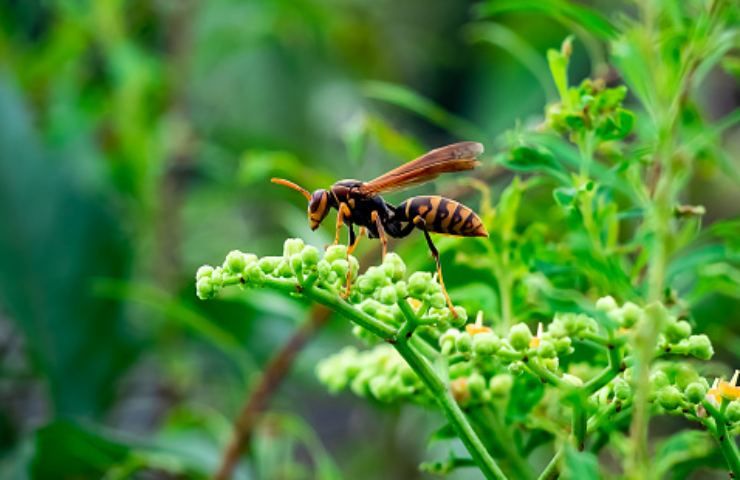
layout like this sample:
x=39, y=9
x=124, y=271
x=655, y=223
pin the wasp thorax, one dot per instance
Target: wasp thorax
x=318, y=207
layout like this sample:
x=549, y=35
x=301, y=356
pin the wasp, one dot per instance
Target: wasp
x=359, y=203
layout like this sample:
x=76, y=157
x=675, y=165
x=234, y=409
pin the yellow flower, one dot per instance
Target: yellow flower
x=722, y=389
x=535, y=342
x=477, y=327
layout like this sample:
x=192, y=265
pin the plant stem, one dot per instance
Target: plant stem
x=551, y=470
x=726, y=441
x=579, y=423
x=606, y=376
x=442, y=394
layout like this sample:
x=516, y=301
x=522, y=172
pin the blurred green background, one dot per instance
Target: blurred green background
x=137, y=140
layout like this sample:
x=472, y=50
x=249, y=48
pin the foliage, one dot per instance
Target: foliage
x=596, y=327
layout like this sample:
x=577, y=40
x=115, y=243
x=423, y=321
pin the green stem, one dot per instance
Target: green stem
x=726, y=441
x=442, y=394
x=534, y=366
x=502, y=440
x=551, y=471
x=606, y=376
x=579, y=422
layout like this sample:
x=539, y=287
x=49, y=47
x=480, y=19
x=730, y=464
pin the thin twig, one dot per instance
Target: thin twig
x=272, y=377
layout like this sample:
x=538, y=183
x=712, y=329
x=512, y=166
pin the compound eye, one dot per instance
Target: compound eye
x=318, y=207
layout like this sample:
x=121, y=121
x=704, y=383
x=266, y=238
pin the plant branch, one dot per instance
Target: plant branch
x=726, y=441
x=270, y=380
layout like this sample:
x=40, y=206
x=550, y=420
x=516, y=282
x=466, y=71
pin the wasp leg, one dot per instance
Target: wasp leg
x=344, y=211
x=422, y=225
x=381, y=233
x=353, y=242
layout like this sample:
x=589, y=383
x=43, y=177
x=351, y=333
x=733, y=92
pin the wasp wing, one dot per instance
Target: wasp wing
x=451, y=158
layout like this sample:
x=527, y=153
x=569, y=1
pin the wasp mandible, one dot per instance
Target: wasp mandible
x=359, y=203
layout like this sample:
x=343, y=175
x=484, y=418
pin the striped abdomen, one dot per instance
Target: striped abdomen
x=443, y=215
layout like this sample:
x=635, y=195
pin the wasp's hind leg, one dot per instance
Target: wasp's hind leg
x=381, y=233
x=422, y=225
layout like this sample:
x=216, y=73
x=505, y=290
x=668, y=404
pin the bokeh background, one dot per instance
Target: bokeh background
x=137, y=139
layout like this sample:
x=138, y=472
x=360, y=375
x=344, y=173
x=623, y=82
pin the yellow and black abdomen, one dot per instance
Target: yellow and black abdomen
x=442, y=215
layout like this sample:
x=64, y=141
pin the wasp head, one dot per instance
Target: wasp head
x=318, y=208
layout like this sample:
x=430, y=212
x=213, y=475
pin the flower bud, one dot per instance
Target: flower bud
x=500, y=385
x=677, y=331
x=394, y=267
x=292, y=246
x=733, y=411
x=268, y=264
x=669, y=397
x=572, y=380
x=460, y=391
x=204, y=272
x=254, y=274
x=402, y=290
x=235, y=262
x=284, y=269
x=296, y=263
x=516, y=368
x=700, y=347
x=486, y=343
x=335, y=252
x=340, y=267
x=630, y=314
x=447, y=340
x=310, y=257
x=520, y=336
x=695, y=392
x=460, y=369
x=464, y=343
x=437, y=300
x=621, y=389
x=606, y=304
x=546, y=349
x=204, y=288
x=387, y=295
x=461, y=318
x=476, y=385
x=659, y=379
x=419, y=283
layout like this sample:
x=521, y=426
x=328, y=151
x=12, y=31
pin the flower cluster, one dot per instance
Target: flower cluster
x=482, y=364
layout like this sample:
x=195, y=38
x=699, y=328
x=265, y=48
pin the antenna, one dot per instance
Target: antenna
x=296, y=187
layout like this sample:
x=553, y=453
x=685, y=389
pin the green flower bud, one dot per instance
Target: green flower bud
x=464, y=343
x=733, y=411
x=546, y=349
x=621, y=389
x=254, y=275
x=669, y=397
x=551, y=364
x=516, y=368
x=447, y=340
x=310, y=257
x=563, y=346
x=486, y=343
x=476, y=385
x=461, y=318
x=296, y=262
x=460, y=369
x=387, y=295
x=437, y=300
x=269, y=264
x=402, y=290
x=659, y=379
x=324, y=269
x=676, y=331
x=335, y=252
x=380, y=388
x=204, y=272
x=630, y=314
x=606, y=304
x=217, y=277
x=394, y=267
x=370, y=306
x=204, y=288
x=419, y=283
x=695, y=392
x=284, y=269
x=407, y=374
x=500, y=385
x=520, y=336
x=292, y=246
x=700, y=347
x=340, y=267
x=235, y=262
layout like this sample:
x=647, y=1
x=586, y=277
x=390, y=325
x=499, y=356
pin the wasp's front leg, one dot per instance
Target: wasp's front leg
x=344, y=211
x=353, y=242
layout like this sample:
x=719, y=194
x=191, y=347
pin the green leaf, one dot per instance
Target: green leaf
x=560, y=10
x=525, y=394
x=65, y=450
x=580, y=465
x=679, y=448
x=60, y=235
